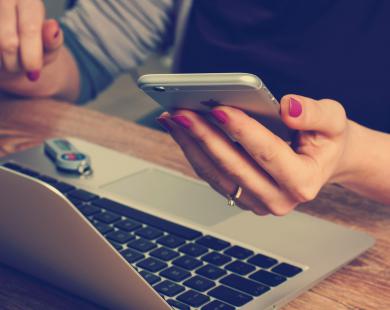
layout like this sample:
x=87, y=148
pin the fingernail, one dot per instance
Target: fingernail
x=182, y=121
x=34, y=76
x=57, y=34
x=220, y=116
x=164, y=123
x=295, y=108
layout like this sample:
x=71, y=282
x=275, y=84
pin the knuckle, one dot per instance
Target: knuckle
x=278, y=206
x=281, y=209
x=303, y=194
x=338, y=112
x=202, y=173
x=237, y=132
x=30, y=30
x=266, y=154
x=202, y=137
x=10, y=44
x=259, y=211
x=207, y=175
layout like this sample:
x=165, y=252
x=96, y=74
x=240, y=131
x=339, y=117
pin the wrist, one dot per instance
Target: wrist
x=350, y=163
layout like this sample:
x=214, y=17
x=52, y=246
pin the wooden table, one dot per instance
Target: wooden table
x=363, y=284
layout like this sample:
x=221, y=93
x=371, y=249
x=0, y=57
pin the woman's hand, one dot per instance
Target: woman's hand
x=274, y=176
x=27, y=41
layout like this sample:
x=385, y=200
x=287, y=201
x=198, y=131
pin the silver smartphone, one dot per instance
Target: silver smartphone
x=202, y=92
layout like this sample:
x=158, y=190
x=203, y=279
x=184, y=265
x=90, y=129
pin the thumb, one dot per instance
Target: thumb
x=52, y=35
x=325, y=116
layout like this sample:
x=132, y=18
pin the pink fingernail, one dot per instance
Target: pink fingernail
x=164, y=123
x=182, y=121
x=57, y=34
x=295, y=108
x=34, y=76
x=220, y=116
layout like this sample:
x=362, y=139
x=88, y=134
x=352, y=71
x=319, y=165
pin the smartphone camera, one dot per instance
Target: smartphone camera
x=159, y=88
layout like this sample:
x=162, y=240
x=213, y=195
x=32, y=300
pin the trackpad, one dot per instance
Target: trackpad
x=175, y=195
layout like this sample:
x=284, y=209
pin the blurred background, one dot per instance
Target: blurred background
x=123, y=98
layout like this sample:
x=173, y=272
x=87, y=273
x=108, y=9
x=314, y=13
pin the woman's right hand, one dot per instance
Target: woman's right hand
x=28, y=42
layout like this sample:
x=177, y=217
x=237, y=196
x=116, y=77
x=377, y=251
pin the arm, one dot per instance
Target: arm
x=366, y=164
x=101, y=43
x=274, y=176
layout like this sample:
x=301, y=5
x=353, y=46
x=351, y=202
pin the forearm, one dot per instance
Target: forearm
x=366, y=165
x=59, y=79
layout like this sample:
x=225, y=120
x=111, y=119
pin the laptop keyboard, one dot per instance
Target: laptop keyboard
x=189, y=269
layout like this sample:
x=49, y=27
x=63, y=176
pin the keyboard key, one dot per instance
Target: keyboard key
x=262, y=261
x=171, y=241
x=193, y=249
x=164, y=253
x=29, y=172
x=217, y=305
x=213, y=243
x=117, y=246
x=75, y=201
x=175, y=274
x=63, y=187
x=152, y=264
x=216, y=258
x=141, y=245
x=88, y=210
x=239, y=252
x=187, y=262
x=149, y=233
x=132, y=256
x=192, y=298
x=177, y=305
x=286, y=270
x=82, y=195
x=230, y=296
x=150, y=277
x=176, y=229
x=244, y=285
x=13, y=166
x=268, y=278
x=128, y=225
x=169, y=288
x=199, y=283
x=47, y=179
x=107, y=217
x=120, y=236
x=211, y=272
x=240, y=267
x=101, y=227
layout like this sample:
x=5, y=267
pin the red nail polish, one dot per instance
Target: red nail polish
x=182, y=121
x=295, y=108
x=164, y=123
x=220, y=116
x=57, y=34
x=34, y=76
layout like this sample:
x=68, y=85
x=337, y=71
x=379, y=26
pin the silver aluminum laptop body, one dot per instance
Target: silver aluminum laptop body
x=43, y=234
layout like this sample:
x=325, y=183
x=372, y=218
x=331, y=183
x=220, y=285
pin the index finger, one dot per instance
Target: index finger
x=30, y=22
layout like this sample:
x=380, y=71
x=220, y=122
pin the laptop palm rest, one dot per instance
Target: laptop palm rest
x=173, y=194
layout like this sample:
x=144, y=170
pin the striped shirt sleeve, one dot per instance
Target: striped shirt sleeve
x=118, y=35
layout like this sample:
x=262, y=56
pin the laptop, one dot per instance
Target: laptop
x=135, y=235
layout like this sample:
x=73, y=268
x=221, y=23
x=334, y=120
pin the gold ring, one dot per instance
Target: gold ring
x=232, y=198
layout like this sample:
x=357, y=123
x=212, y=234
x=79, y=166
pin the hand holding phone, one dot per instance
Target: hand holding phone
x=203, y=92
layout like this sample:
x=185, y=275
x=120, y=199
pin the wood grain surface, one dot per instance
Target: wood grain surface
x=363, y=284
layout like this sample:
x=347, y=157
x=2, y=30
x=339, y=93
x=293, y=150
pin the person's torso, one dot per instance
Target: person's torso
x=320, y=49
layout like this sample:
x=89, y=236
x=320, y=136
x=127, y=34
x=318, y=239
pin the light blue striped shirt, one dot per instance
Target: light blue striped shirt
x=110, y=37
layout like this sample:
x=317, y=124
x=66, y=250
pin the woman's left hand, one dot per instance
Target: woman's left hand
x=275, y=177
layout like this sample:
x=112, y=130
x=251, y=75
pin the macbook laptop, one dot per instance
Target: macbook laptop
x=134, y=235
